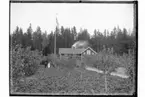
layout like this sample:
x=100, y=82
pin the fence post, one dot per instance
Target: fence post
x=106, y=90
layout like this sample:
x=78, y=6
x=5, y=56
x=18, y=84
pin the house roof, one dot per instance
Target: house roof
x=70, y=51
x=73, y=50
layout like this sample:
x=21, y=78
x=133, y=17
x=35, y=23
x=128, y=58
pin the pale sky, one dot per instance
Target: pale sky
x=81, y=15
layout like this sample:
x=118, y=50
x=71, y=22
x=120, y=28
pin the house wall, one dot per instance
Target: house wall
x=77, y=56
x=89, y=51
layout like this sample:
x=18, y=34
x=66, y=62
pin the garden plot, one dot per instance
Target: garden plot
x=76, y=82
x=68, y=79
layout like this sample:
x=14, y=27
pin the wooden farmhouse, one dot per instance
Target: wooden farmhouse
x=76, y=53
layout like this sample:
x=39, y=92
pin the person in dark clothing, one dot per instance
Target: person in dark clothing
x=44, y=62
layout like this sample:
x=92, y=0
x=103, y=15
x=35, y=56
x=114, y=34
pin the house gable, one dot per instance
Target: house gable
x=89, y=51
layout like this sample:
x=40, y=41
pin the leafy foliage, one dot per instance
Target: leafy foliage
x=71, y=80
x=107, y=61
x=23, y=63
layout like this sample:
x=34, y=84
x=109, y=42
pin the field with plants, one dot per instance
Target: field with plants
x=27, y=75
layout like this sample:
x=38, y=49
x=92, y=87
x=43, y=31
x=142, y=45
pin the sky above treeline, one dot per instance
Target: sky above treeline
x=88, y=16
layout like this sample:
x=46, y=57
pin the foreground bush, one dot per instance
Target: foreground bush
x=23, y=63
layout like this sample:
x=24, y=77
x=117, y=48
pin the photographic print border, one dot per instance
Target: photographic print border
x=80, y=2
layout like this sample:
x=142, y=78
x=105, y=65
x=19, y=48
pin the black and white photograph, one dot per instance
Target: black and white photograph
x=73, y=48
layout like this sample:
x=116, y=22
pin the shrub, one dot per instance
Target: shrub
x=109, y=62
x=23, y=63
x=63, y=63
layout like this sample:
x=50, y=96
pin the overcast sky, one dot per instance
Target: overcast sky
x=89, y=16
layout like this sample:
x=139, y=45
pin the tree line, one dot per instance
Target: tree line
x=120, y=40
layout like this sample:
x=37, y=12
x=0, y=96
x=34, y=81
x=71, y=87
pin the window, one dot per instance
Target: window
x=88, y=52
